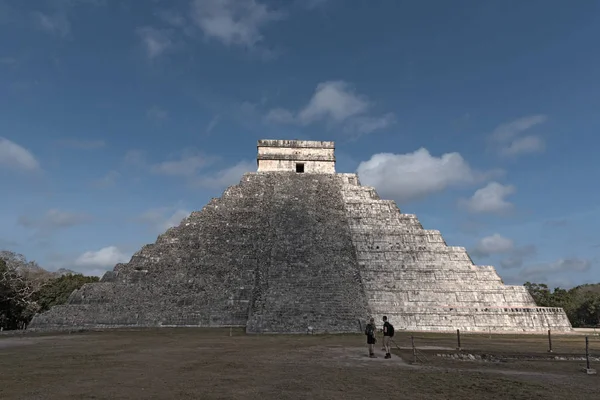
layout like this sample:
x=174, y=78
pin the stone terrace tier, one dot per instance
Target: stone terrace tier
x=285, y=252
x=413, y=277
x=274, y=253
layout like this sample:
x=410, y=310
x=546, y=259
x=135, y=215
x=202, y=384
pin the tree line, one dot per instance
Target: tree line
x=581, y=303
x=27, y=289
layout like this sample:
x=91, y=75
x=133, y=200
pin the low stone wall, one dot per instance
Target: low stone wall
x=508, y=320
x=104, y=316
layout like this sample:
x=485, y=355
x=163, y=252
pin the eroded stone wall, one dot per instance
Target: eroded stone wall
x=413, y=277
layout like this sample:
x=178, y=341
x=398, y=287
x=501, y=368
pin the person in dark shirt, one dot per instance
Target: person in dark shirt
x=370, y=332
x=388, y=332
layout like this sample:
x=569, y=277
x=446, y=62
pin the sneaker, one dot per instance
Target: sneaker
x=372, y=355
x=388, y=355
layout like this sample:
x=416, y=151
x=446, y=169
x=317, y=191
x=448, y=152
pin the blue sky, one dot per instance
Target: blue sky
x=117, y=118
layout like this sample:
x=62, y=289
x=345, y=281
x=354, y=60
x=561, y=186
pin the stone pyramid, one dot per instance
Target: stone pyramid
x=297, y=247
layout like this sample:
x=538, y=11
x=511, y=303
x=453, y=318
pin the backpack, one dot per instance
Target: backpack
x=390, y=330
x=369, y=330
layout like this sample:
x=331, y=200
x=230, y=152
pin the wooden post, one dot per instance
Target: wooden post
x=587, y=353
x=412, y=342
x=230, y=330
x=458, y=339
x=549, y=341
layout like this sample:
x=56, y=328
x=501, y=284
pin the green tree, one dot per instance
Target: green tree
x=58, y=290
x=587, y=309
x=581, y=303
x=26, y=289
x=540, y=293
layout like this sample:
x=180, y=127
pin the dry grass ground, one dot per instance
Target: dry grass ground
x=209, y=364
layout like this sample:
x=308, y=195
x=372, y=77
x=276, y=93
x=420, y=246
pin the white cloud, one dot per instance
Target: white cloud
x=541, y=272
x=102, y=259
x=175, y=219
x=494, y=244
x=155, y=41
x=213, y=123
x=225, y=177
x=280, y=116
x=233, y=22
x=56, y=20
x=54, y=219
x=187, y=164
x=334, y=100
x=163, y=218
x=489, y=199
x=518, y=256
x=370, y=124
x=524, y=145
x=56, y=24
x=14, y=156
x=508, y=131
x=567, y=264
x=335, y=103
x=505, y=137
x=411, y=176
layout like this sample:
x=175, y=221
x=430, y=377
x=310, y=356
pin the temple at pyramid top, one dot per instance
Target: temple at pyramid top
x=299, y=156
